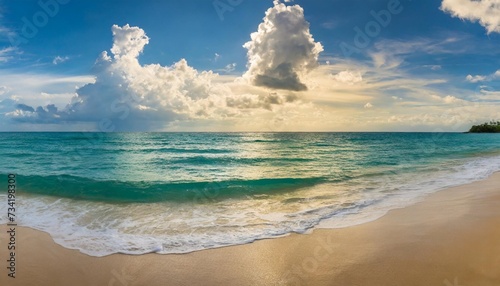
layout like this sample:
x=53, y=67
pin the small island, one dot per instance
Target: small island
x=491, y=127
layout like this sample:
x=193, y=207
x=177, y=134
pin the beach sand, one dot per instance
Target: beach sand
x=450, y=238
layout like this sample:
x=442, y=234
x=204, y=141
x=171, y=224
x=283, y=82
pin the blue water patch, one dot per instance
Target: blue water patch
x=113, y=191
x=153, y=158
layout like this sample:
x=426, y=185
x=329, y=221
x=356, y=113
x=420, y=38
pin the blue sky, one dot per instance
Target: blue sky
x=434, y=65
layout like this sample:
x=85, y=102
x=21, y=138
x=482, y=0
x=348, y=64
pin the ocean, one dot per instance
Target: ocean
x=135, y=193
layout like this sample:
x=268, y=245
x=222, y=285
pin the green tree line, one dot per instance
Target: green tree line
x=489, y=127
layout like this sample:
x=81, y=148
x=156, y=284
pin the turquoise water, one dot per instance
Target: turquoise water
x=104, y=193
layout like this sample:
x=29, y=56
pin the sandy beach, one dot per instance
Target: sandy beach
x=450, y=238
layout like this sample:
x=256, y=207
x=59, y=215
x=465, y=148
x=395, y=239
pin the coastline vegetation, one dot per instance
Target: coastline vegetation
x=489, y=127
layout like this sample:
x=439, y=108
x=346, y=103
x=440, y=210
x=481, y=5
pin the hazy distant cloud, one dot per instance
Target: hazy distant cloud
x=230, y=67
x=329, y=25
x=6, y=54
x=5, y=32
x=487, y=93
x=368, y=105
x=386, y=59
x=486, y=12
x=448, y=99
x=41, y=88
x=391, y=54
x=447, y=45
x=433, y=67
x=282, y=49
x=7, y=105
x=58, y=60
x=480, y=78
x=3, y=89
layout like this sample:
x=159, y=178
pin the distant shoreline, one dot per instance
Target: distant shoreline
x=489, y=127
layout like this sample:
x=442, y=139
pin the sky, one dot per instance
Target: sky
x=243, y=65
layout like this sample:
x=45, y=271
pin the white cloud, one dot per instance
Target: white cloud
x=486, y=12
x=481, y=78
x=128, y=42
x=282, y=50
x=475, y=78
x=59, y=60
x=137, y=97
x=348, y=77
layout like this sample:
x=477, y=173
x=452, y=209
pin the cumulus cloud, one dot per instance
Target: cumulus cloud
x=128, y=42
x=141, y=97
x=486, y=12
x=125, y=95
x=475, y=78
x=348, y=77
x=480, y=78
x=282, y=50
